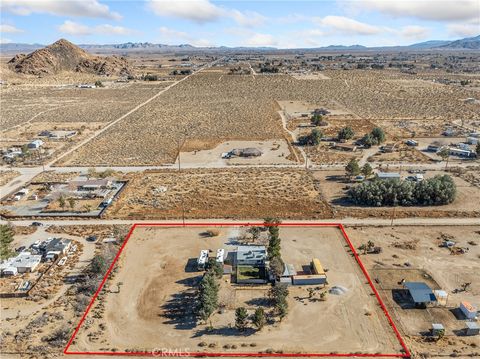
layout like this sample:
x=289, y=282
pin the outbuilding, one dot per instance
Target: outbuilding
x=472, y=328
x=388, y=175
x=468, y=310
x=422, y=295
x=35, y=144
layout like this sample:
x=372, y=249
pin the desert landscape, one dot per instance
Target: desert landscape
x=208, y=178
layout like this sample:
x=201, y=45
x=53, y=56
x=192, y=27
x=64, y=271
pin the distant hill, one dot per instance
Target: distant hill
x=65, y=56
x=429, y=44
x=467, y=43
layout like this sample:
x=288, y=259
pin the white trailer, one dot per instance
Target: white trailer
x=202, y=259
x=220, y=255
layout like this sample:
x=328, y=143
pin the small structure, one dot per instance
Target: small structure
x=389, y=147
x=288, y=273
x=320, y=111
x=388, y=175
x=442, y=297
x=35, y=144
x=251, y=255
x=433, y=148
x=437, y=329
x=308, y=279
x=202, y=259
x=460, y=152
x=344, y=147
x=90, y=185
x=220, y=256
x=55, y=248
x=472, y=328
x=468, y=310
x=422, y=295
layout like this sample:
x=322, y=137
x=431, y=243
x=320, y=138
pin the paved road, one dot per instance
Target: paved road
x=346, y=221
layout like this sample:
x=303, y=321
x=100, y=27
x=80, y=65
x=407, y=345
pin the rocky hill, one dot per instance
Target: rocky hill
x=65, y=56
x=467, y=43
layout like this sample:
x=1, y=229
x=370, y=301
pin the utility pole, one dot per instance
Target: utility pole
x=183, y=211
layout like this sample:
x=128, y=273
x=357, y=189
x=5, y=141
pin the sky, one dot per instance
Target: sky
x=282, y=24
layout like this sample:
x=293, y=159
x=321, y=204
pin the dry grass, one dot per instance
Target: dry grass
x=238, y=193
x=7, y=176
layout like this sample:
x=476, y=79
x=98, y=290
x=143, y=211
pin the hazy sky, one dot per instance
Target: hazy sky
x=239, y=23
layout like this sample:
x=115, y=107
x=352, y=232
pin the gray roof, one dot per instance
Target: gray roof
x=472, y=325
x=420, y=292
x=245, y=253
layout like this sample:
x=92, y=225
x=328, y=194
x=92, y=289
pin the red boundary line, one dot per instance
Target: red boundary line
x=406, y=353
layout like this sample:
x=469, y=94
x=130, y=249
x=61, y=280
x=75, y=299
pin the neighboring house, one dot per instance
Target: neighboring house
x=35, y=144
x=24, y=262
x=461, y=152
x=55, y=248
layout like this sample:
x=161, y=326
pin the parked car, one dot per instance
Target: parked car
x=21, y=249
x=91, y=238
x=37, y=224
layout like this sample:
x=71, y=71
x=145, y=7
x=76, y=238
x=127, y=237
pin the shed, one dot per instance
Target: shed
x=309, y=279
x=437, y=328
x=35, y=144
x=442, y=296
x=317, y=267
x=472, y=328
x=468, y=310
x=421, y=293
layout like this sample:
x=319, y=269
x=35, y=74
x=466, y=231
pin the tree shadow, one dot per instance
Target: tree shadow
x=225, y=332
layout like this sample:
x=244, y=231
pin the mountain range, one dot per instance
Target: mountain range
x=471, y=43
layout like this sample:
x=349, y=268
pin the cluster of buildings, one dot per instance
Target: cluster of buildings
x=41, y=251
x=243, y=152
x=422, y=297
x=249, y=265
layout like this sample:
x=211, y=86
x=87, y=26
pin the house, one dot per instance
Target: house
x=251, y=264
x=472, y=140
x=90, y=185
x=24, y=262
x=35, y=144
x=422, y=295
x=437, y=329
x=55, y=248
x=251, y=255
x=468, y=310
x=388, y=175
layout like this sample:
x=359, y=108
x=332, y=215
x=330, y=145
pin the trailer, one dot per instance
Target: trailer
x=202, y=259
x=220, y=255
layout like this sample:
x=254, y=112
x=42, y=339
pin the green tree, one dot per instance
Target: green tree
x=71, y=202
x=352, y=168
x=259, y=319
x=367, y=170
x=444, y=153
x=317, y=120
x=274, y=242
x=61, y=202
x=312, y=139
x=346, y=133
x=6, y=238
x=98, y=83
x=378, y=134
x=477, y=149
x=278, y=295
x=281, y=309
x=215, y=267
x=241, y=317
x=255, y=232
x=98, y=265
x=207, y=296
x=277, y=266
x=368, y=140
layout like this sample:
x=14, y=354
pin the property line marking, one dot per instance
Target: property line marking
x=405, y=354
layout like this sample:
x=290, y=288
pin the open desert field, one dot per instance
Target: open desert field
x=220, y=193
x=149, y=306
x=413, y=254
x=212, y=107
x=23, y=104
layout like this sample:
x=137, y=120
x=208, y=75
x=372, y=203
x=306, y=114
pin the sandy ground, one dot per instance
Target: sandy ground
x=447, y=272
x=274, y=152
x=137, y=316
